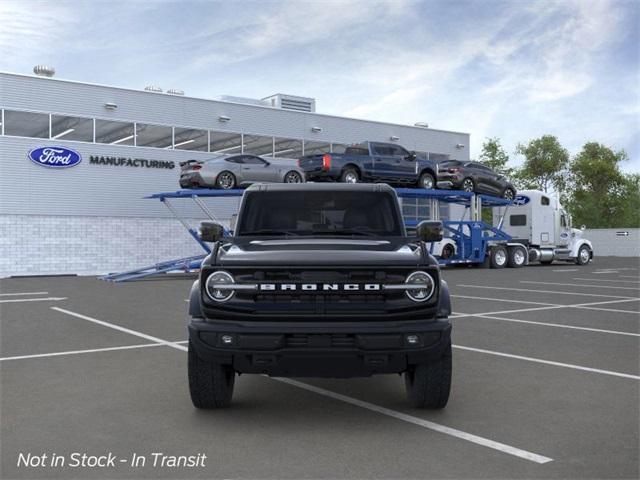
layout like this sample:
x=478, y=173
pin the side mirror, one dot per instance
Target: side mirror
x=412, y=156
x=211, y=232
x=429, y=231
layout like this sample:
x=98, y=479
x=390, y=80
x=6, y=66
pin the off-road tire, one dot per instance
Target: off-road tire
x=210, y=383
x=427, y=178
x=499, y=257
x=428, y=384
x=349, y=173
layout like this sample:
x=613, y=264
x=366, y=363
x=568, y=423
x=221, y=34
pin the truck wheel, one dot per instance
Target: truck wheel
x=349, y=175
x=427, y=181
x=517, y=257
x=499, y=257
x=428, y=384
x=226, y=180
x=210, y=384
x=584, y=255
x=293, y=177
x=509, y=194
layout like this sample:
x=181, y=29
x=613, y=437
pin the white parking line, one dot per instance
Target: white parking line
x=628, y=276
x=93, y=350
x=581, y=285
x=121, y=329
x=392, y=413
x=22, y=293
x=485, y=442
x=528, y=290
x=567, y=270
x=20, y=300
x=604, y=280
x=552, y=306
x=503, y=300
x=549, y=362
x=546, y=324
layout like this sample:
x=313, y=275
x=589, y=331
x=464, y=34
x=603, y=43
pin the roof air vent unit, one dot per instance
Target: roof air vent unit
x=175, y=91
x=292, y=102
x=44, y=71
x=153, y=88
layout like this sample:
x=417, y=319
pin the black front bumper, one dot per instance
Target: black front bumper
x=335, y=350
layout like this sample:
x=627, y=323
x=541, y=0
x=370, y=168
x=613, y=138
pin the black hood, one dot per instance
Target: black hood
x=394, y=251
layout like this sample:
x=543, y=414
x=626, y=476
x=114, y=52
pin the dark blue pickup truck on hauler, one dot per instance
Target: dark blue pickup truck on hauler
x=372, y=162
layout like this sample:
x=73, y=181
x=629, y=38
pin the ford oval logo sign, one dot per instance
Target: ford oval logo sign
x=55, y=157
x=521, y=200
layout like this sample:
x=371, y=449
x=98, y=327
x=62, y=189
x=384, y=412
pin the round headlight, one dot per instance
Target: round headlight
x=425, y=285
x=219, y=286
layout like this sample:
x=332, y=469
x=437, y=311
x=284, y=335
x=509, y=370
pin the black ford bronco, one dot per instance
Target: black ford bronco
x=320, y=280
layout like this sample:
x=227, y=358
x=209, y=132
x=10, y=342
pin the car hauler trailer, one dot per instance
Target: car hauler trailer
x=539, y=221
x=469, y=241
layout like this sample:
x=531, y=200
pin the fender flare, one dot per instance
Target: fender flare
x=195, y=308
x=444, y=302
x=580, y=243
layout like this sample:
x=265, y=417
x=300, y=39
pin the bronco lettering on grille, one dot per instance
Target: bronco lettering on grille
x=319, y=286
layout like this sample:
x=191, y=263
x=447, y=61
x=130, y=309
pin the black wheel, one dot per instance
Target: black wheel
x=447, y=251
x=498, y=257
x=428, y=384
x=427, y=181
x=546, y=262
x=226, y=180
x=509, y=194
x=210, y=384
x=349, y=175
x=584, y=255
x=468, y=185
x=293, y=177
x=517, y=257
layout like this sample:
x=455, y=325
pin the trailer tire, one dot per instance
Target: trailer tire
x=517, y=257
x=499, y=257
x=584, y=255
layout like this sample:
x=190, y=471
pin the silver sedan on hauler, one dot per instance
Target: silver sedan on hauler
x=234, y=171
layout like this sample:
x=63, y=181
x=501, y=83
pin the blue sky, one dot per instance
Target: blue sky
x=514, y=69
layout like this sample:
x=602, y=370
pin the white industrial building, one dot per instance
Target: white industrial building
x=93, y=218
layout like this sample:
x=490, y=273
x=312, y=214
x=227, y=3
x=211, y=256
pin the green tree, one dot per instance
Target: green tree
x=545, y=164
x=600, y=195
x=494, y=156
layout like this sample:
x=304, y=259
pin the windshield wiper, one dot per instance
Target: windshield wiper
x=267, y=231
x=347, y=232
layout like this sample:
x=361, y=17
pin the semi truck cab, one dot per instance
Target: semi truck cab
x=538, y=221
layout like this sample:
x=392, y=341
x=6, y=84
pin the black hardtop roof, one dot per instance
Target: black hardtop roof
x=320, y=187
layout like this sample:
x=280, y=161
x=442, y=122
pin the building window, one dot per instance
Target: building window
x=315, y=148
x=114, y=133
x=225, y=143
x=71, y=128
x=190, y=139
x=26, y=124
x=157, y=136
x=258, y=145
x=287, y=148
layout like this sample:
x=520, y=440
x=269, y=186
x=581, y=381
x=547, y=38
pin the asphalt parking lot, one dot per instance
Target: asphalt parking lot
x=545, y=385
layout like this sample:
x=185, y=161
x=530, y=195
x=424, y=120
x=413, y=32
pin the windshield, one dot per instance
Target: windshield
x=354, y=213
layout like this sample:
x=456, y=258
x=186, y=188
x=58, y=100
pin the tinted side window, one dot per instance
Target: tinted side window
x=544, y=201
x=356, y=151
x=399, y=151
x=237, y=159
x=252, y=160
x=518, y=220
x=382, y=150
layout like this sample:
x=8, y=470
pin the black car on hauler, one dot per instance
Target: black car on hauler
x=320, y=280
